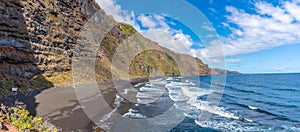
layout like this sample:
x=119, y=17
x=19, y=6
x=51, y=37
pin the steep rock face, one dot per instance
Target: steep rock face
x=37, y=40
x=150, y=56
x=53, y=26
x=37, y=37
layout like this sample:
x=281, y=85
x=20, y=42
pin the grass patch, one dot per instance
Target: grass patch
x=61, y=79
x=127, y=29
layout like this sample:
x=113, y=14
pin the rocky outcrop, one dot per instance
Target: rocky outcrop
x=217, y=71
x=37, y=37
x=148, y=60
x=37, y=40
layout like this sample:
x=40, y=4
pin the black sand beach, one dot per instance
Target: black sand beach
x=60, y=105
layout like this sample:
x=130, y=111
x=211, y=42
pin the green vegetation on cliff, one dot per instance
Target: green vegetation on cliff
x=39, y=38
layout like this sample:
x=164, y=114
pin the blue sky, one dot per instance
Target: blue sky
x=255, y=36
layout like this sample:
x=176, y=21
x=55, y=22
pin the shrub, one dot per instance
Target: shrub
x=21, y=119
x=128, y=30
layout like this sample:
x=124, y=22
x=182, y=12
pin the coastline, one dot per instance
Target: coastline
x=60, y=106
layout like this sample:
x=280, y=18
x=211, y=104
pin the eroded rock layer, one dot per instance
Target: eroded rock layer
x=37, y=40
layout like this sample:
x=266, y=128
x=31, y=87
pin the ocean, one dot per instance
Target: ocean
x=250, y=102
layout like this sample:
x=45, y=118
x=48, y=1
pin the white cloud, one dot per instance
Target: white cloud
x=210, y=36
x=269, y=27
x=158, y=30
x=293, y=9
x=276, y=12
x=208, y=28
x=147, y=21
x=115, y=10
x=215, y=61
x=172, y=39
x=233, y=60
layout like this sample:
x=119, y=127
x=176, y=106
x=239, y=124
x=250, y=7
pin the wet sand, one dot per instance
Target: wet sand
x=60, y=105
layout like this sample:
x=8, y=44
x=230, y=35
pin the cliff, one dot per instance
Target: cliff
x=37, y=40
x=217, y=71
x=149, y=57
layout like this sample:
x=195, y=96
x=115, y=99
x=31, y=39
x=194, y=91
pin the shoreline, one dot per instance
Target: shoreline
x=60, y=106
